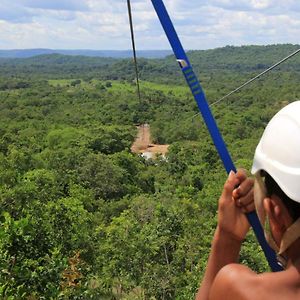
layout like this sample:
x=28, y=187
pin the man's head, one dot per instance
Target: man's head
x=276, y=166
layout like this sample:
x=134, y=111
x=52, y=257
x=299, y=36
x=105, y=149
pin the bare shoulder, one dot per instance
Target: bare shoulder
x=233, y=281
x=238, y=282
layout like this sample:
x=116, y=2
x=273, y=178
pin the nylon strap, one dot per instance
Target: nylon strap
x=210, y=122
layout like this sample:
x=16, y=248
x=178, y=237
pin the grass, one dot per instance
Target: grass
x=60, y=82
x=122, y=86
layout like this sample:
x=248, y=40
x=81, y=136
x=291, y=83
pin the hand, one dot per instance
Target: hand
x=235, y=201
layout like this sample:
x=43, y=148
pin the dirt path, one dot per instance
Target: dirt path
x=143, y=143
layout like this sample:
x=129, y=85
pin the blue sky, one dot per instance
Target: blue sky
x=103, y=24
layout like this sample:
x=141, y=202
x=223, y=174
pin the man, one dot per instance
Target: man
x=276, y=195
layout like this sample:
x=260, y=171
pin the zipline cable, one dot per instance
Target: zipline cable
x=248, y=82
x=210, y=122
x=134, y=50
x=256, y=77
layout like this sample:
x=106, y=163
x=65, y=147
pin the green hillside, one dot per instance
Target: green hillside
x=84, y=218
x=229, y=58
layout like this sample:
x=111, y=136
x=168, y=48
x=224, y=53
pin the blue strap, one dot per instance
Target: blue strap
x=210, y=122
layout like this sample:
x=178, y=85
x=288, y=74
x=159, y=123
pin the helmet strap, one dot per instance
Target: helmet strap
x=290, y=236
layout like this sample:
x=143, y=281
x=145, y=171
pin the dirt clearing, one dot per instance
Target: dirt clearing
x=144, y=145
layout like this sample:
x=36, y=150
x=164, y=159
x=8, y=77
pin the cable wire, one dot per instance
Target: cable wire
x=134, y=50
x=246, y=83
x=256, y=77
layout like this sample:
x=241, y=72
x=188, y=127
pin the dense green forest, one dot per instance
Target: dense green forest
x=84, y=218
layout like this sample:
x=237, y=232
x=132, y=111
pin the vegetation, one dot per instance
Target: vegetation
x=84, y=218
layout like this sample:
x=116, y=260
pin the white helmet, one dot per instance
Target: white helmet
x=278, y=152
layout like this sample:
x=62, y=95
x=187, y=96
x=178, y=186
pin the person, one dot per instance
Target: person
x=275, y=194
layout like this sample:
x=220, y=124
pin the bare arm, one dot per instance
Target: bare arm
x=225, y=250
x=231, y=230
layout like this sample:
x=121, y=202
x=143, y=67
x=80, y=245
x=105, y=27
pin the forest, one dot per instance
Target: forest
x=84, y=218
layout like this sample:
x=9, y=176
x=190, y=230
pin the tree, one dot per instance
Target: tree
x=101, y=175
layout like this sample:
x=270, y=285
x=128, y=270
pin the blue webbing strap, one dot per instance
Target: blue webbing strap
x=210, y=122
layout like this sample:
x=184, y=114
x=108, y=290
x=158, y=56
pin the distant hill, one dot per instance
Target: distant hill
x=244, y=59
x=25, y=53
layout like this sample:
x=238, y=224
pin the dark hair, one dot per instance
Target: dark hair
x=273, y=188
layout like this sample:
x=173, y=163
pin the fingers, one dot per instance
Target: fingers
x=230, y=184
x=248, y=208
x=241, y=174
x=243, y=194
x=234, y=180
x=239, y=188
x=244, y=189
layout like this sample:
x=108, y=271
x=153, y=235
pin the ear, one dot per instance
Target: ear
x=275, y=214
x=278, y=215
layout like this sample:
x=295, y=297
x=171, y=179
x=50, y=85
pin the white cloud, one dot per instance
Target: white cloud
x=10, y=11
x=103, y=24
x=73, y=5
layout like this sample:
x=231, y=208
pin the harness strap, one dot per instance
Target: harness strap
x=210, y=122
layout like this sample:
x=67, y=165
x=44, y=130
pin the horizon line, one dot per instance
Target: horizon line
x=119, y=50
